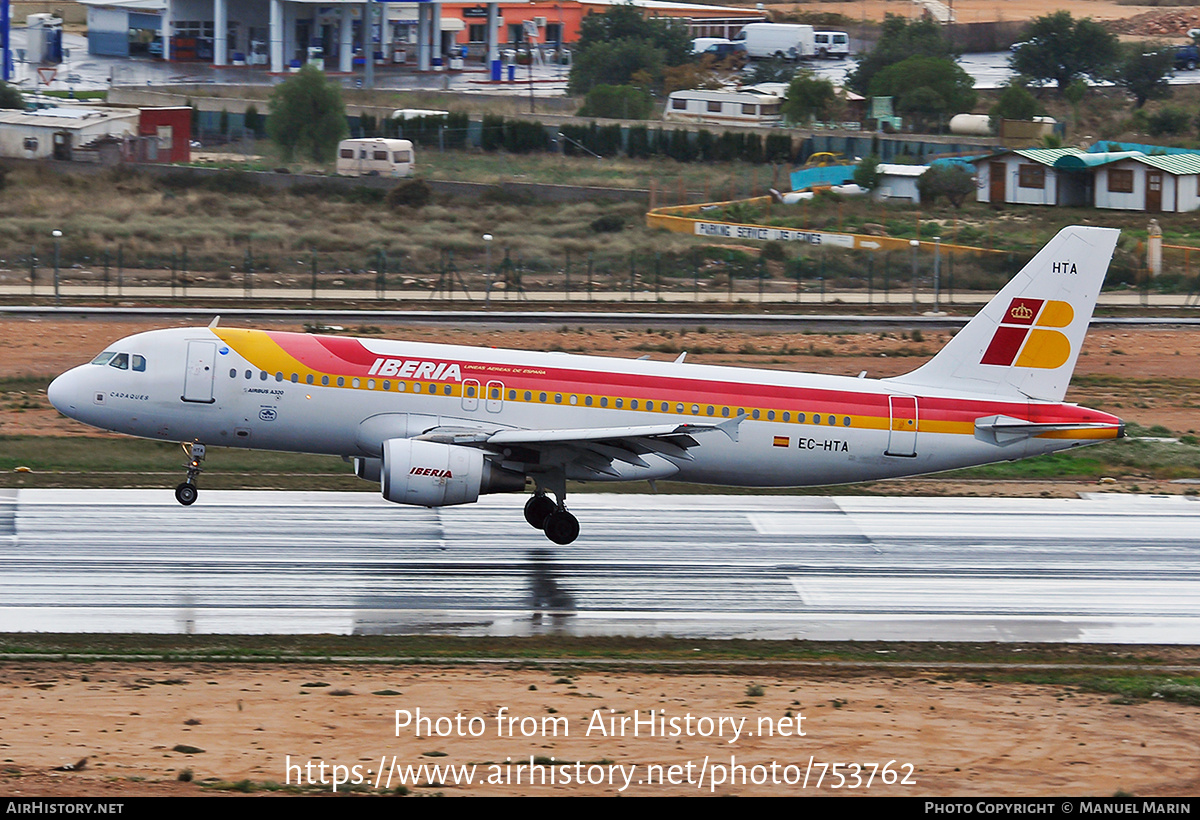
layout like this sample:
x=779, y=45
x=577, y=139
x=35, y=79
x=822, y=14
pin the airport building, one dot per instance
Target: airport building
x=281, y=35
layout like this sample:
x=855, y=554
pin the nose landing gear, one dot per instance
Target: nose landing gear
x=186, y=493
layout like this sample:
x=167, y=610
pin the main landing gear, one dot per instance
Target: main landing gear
x=187, y=492
x=553, y=519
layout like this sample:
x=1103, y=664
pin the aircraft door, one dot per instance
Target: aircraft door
x=198, y=380
x=495, y=396
x=902, y=434
x=470, y=394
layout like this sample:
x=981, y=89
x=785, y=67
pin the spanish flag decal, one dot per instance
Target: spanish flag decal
x=782, y=441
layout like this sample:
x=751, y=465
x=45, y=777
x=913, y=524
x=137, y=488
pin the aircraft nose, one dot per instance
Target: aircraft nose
x=63, y=393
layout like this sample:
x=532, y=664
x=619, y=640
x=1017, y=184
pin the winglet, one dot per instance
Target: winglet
x=215, y=320
x=730, y=428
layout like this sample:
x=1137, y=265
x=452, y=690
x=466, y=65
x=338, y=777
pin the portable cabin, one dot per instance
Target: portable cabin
x=747, y=107
x=375, y=157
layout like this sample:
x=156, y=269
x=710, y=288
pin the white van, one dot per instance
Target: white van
x=375, y=157
x=832, y=45
x=747, y=107
x=786, y=41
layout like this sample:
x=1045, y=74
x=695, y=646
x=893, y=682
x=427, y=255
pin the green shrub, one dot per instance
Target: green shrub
x=1169, y=120
x=609, y=223
x=413, y=193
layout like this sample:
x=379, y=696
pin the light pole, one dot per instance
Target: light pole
x=487, y=244
x=57, y=242
x=937, y=270
x=915, y=245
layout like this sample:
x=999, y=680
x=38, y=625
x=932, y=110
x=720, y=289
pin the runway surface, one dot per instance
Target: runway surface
x=1103, y=568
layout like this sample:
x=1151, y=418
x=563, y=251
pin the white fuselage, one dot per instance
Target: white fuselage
x=340, y=396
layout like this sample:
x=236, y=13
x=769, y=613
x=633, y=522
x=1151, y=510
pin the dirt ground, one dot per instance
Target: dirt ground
x=978, y=11
x=140, y=727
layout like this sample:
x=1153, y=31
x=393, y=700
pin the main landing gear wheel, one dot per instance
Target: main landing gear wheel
x=561, y=527
x=537, y=509
x=186, y=494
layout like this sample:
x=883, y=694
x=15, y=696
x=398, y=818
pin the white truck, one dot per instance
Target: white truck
x=791, y=41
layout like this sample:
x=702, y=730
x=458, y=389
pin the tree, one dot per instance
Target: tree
x=10, y=97
x=809, y=97
x=614, y=63
x=1144, y=70
x=898, y=41
x=253, y=121
x=951, y=181
x=772, y=70
x=1058, y=48
x=866, y=175
x=619, y=43
x=1015, y=103
x=926, y=88
x=625, y=102
x=307, y=115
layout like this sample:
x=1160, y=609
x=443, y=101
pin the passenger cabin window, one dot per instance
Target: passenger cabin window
x=346, y=153
x=714, y=107
x=679, y=104
x=403, y=156
x=749, y=108
x=383, y=155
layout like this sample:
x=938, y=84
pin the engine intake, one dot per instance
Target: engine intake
x=430, y=474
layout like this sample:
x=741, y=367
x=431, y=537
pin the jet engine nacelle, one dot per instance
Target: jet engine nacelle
x=430, y=474
x=370, y=469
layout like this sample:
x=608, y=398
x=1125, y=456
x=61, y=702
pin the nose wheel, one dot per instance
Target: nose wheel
x=187, y=492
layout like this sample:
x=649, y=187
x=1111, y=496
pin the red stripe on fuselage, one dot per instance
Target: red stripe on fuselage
x=347, y=357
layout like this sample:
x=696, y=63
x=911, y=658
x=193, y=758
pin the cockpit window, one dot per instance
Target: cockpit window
x=104, y=357
x=120, y=361
x=139, y=363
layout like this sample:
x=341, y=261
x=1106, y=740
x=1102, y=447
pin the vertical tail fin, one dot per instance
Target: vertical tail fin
x=1025, y=342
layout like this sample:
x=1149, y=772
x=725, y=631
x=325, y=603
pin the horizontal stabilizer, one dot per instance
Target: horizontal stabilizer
x=1006, y=429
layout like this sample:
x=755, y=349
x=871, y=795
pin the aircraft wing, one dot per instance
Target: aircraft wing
x=593, y=449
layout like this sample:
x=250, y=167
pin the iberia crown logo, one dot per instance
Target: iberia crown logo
x=1022, y=342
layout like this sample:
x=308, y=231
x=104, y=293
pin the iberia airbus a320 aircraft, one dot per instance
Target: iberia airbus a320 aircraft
x=440, y=424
